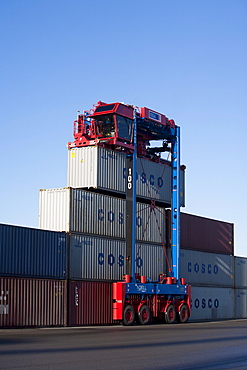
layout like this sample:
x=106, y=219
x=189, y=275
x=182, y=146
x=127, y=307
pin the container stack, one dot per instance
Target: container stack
x=62, y=273
x=92, y=210
x=207, y=263
x=33, y=283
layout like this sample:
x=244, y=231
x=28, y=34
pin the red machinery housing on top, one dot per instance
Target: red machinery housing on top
x=111, y=126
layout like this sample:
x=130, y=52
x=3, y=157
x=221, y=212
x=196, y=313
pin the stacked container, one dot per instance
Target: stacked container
x=204, y=234
x=79, y=211
x=33, y=268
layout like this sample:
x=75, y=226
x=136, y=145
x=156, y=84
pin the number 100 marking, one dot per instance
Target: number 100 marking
x=129, y=179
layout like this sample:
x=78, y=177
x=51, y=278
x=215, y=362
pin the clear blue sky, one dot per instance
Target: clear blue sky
x=186, y=59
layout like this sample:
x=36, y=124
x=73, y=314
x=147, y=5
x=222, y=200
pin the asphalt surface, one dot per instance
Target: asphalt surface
x=215, y=345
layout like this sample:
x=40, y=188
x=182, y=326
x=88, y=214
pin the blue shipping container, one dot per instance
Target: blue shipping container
x=29, y=252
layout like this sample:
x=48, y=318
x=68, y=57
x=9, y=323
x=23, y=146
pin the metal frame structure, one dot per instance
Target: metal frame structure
x=170, y=297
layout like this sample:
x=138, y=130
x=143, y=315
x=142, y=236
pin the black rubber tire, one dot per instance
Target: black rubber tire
x=170, y=314
x=128, y=315
x=144, y=315
x=183, y=314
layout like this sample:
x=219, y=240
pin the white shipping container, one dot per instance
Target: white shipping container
x=240, y=272
x=240, y=303
x=100, y=168
x=54, y=209
x=203, y=268
x=212, y=303
x=82, y=211
x=105, y=259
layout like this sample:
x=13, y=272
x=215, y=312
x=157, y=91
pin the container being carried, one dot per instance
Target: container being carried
x=96, y=167
x=129, y=131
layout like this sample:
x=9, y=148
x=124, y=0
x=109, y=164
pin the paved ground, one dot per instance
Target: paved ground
x=217, y=345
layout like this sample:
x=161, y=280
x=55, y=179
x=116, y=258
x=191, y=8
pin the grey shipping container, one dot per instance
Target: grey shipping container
x=203, y=268
x=105, y=169
x=32, y=252
x=212, y=303
x=82, y=211
x=29, y=302
x=241, y=303
x=240, y=272
x=90, y=303
x=203, y=234
x=105, y=259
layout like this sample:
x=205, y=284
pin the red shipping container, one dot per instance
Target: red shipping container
x=32, y=302
x=203, y=234
x=90, y=303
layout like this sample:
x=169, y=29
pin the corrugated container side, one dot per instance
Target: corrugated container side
x=150, y=223
x=212, y=303
x=32, y=252
x=98, y=214
x=90, y=303
x=54, y=209
x=88, y=166
x=105, y=259
x=78, y=173
x=154, y=181
x=241, y=303
x=150, y=260
x=81, y=211
x=96, y=258
x=203, y=268
x=108, y=172
x=240, y=272
x=32, y=302
x=203, y=234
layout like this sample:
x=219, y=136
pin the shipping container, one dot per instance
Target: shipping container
x=203, y=234
x=90, y=303
x=29, y=252
x=105, y=169
x=203, y=268
x=105, y=259
x=26, y=302
x=82, y=211
x=240, y=272
x=212, y=303
x=241, y=303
